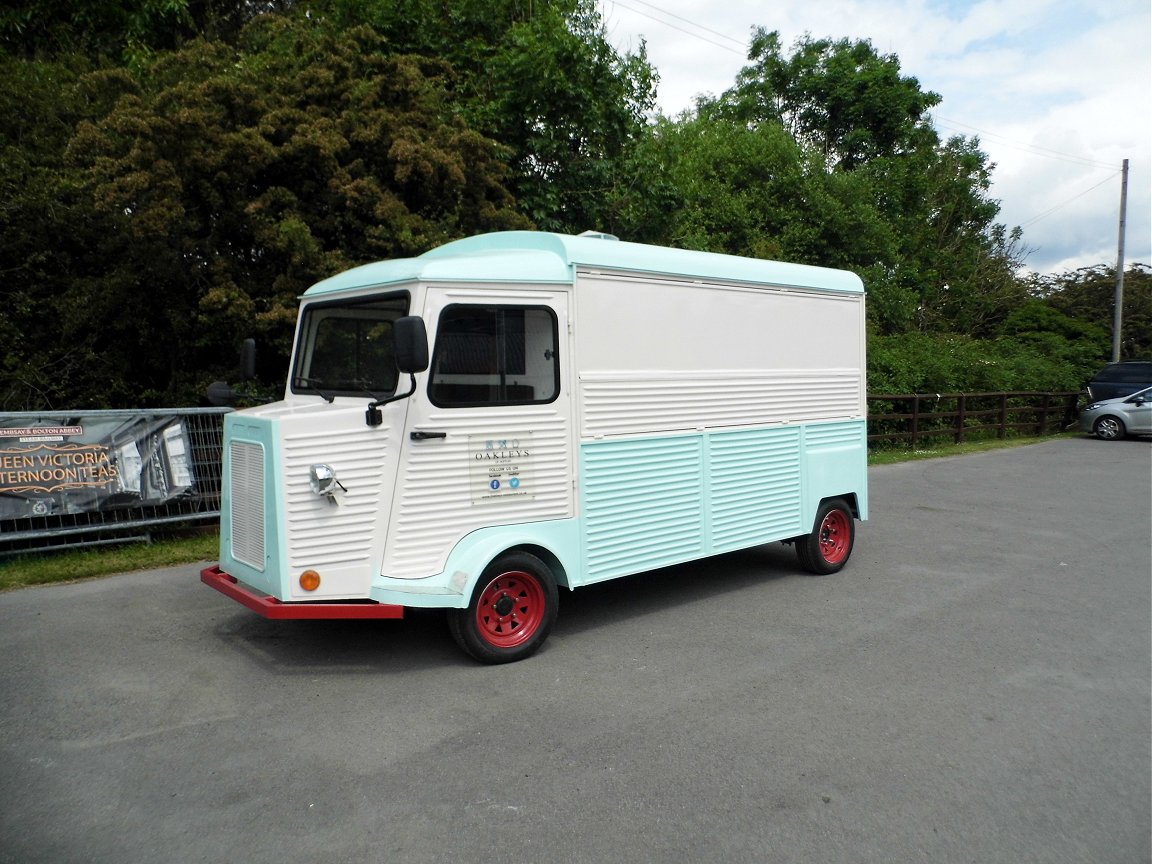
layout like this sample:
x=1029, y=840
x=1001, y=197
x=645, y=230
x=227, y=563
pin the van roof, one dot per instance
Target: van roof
x=541, y=257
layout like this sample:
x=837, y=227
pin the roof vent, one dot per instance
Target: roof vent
x=598, y=235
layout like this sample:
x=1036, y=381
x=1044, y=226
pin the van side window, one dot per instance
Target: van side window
x=495, y=355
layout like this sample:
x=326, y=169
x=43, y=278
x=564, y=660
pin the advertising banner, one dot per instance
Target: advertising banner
x=97, y=462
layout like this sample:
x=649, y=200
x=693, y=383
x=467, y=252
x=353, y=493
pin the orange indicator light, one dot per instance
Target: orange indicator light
x=309, y=580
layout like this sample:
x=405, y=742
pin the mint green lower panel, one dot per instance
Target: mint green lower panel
x=754, y=487
x=641, y=504
x=653, y=502
x=836, y=463
x=557, y=541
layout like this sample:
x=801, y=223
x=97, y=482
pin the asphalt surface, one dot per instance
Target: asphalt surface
x=973, y=687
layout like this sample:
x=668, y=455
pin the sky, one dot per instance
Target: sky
x=1059, y=93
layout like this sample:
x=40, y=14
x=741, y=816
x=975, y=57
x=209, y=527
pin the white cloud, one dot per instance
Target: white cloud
x=1058, y=91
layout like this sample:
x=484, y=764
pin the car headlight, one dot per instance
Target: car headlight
x=322, y=479
x=1093, y=406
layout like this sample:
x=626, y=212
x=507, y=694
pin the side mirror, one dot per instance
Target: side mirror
x=220, y=394
x=411, y=339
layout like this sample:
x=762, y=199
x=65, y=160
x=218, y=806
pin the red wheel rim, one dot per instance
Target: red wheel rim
x=510, y=609
x=835, y=537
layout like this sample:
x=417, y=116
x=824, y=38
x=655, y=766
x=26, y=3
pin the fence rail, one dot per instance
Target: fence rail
x=914, y=417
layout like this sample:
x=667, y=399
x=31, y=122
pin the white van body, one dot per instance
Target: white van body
x=604, y=407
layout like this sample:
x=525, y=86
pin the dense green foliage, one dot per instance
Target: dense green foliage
x=173, y=173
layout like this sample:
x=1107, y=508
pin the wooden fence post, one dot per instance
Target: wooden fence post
x=915, y=420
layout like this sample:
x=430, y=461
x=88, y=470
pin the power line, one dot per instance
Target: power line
x=1052, y=210
x=1034, y=149
x=743, y=45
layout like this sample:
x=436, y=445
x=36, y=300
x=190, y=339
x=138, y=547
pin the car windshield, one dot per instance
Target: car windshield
x=347, y=349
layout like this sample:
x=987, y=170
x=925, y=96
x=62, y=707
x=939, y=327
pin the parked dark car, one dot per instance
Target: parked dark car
x=1120, y=379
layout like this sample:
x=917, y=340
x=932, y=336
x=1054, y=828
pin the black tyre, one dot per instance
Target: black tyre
x=1109, y=428
x=511, y=613
x=828, y=547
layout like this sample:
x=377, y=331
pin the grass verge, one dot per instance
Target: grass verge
x=75, y=565
x=891, y=457
x=43, y=568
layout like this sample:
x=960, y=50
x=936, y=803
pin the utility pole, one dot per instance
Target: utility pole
x=1118, y=304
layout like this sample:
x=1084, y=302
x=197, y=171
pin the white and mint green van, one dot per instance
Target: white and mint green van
x=516, y=412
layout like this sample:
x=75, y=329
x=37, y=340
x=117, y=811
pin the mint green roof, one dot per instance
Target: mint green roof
x=539, y=257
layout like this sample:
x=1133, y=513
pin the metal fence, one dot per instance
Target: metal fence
x=86, y=478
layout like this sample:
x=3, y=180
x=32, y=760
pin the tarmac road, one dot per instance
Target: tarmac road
x=973, y=687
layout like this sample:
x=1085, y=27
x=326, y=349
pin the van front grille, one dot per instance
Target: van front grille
x=247, y=503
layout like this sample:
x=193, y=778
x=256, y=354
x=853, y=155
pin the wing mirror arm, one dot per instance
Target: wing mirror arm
x=411, y=348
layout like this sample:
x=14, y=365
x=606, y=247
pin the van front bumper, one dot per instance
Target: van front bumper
x=271, y=607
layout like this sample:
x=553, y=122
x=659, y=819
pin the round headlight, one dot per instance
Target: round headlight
x=322, y=479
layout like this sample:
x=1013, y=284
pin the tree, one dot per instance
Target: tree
x=130, y=30
x=841, y=98
x=543, y=80
x=707, y=182
x=1088, y=295
x=571, y=109
x=228, y=153
x=945, y=264
x=221, y=198
x=48, y=237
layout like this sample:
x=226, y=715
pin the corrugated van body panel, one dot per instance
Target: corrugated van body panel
x=641, y=505
x=323, y=535
x=273, y=526
x=836, y=462
x=754, y=485
x=442, y=494
x=651, y=502
x=623, y=403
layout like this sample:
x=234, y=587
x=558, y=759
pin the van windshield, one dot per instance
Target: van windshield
x=346, y=348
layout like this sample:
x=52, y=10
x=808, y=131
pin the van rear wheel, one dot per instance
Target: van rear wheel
x=511, y=612
x=827, y=548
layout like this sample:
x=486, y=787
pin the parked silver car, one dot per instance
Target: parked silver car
x=1115, y=418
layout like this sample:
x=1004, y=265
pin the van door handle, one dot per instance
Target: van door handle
x=424, y=436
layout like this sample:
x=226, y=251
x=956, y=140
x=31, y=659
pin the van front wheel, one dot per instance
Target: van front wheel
x=827, y=548
x=511, y=613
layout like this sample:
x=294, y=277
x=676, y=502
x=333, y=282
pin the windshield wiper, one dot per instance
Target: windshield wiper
x=314, y=384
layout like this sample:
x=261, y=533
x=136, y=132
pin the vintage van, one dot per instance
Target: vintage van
x=518, y=412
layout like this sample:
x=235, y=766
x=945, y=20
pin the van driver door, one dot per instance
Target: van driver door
x=489, y=437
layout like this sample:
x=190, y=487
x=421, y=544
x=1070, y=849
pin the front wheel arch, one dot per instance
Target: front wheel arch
x=511, y=610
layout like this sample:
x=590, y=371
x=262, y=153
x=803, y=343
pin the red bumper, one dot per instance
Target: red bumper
x=270, y=607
